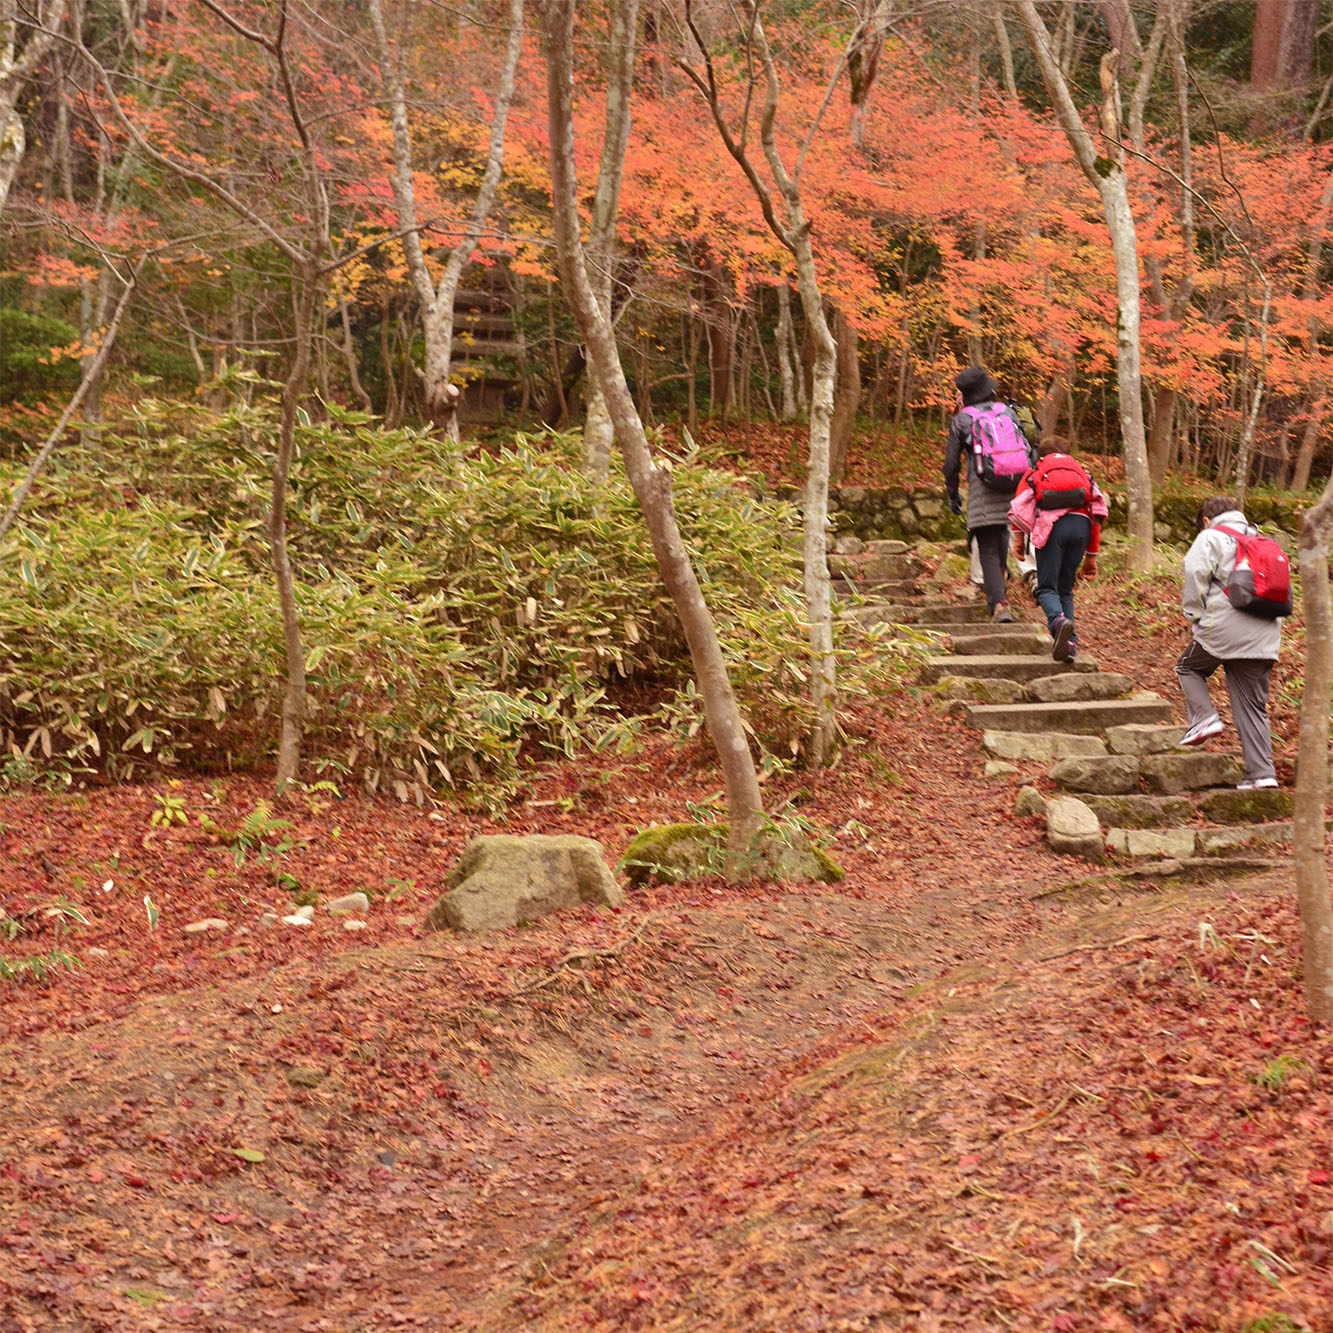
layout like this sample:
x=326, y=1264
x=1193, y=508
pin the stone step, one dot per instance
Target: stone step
x=1067, y=687
x=894, y=589
x=998, y=639
x=936, y=614
x=1193, y=841
x=1246, y=807
x=1040, y=747
x=1093, y=716
x=1189, y=770
x=1136, y=811
x=1144, y=738
x=1104, y=775
x=1004, y=668
x=879, y=566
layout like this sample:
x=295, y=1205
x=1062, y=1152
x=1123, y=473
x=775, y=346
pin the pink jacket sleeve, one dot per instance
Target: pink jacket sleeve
x=1023, y=507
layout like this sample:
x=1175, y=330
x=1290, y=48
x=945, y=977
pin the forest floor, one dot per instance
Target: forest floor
x=968, y=1088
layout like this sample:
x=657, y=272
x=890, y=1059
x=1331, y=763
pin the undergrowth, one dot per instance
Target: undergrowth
x=458, y=613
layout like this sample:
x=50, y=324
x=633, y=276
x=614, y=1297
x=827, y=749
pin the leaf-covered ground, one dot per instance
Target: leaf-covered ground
x=952, y=1092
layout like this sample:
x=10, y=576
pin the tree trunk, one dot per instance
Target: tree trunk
x=1281, y=58
x=600, y=251
x=652, y=484
x=293, y=698
x=1107, y=175
x=437, y=299
x=1309, y=831
x=1300, y=477
x=786, y=373
x=847, y=397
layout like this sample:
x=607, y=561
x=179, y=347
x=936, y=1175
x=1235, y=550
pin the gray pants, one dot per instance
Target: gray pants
x=1247, y=688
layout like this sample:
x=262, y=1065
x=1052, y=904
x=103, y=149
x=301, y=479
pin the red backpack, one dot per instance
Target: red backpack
x=1061, y=482
x=1260, y=584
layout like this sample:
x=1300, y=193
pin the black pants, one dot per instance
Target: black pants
x=993, y=552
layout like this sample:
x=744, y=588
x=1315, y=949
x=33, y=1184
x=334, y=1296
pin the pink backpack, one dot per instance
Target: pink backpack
x=1000, y=451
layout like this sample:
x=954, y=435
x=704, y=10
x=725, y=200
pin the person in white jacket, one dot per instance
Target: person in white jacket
x=1244, y=646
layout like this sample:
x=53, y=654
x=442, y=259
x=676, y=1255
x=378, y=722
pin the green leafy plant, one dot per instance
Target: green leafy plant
x=170, y=810
x=37, y=967
x=262, y=834
x=1277, y=1071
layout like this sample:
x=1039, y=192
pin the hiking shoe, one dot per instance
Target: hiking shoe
x=1259, y=784
x=1201, y=731
x=1001, y=614
x=1064, y=633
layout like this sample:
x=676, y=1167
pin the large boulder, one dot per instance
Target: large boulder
x=1072, y=827
x=506, y=879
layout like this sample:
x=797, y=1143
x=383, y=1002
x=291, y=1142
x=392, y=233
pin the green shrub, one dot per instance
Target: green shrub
x=454, y=609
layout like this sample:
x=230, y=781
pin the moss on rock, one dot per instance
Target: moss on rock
x=669, y=853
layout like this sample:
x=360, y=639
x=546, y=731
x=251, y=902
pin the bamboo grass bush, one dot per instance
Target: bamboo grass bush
x=457, y=611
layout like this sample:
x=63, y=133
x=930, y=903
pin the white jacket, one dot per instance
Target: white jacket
x=1219, y=628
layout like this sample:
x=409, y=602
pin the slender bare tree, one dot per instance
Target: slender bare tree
x=1105, y=170
x=1310, y=828
x=651, y=482
x=26, y=34
x=793, y=231
x=437, y=297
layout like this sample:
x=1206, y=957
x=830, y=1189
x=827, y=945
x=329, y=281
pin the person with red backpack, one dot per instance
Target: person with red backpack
x=989, y=435
x=1236, y=588
x=1058, y=511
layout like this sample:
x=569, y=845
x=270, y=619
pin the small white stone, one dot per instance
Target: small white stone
x=203, y=927
x=353, y=924
x=349, y=902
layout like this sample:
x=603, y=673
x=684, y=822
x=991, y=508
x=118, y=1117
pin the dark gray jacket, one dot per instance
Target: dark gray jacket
x=986, y=507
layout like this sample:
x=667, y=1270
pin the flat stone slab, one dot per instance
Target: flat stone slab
x=1067, y=717
x=980, y=689
x=1002, y=667
x=1102, y=775
x=1042, y=747
x=937, y=613
x=1144, y=737
x=1073, y=828
x=1171, y=842
x=1067, y=688
x=996, y=640
x=1218, y=841
x=1247, y=807
x=1184, y=770
x=1138, y=811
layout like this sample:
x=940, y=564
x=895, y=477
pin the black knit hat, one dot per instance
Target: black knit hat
x=976, y=386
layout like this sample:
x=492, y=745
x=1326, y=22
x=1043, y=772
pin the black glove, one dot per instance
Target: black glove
x=955, y=505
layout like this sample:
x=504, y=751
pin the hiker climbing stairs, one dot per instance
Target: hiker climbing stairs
x=1121, y=783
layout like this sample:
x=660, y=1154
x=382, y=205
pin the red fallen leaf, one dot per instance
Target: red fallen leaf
x=96, y=1177
x=137, y=1181
x=1319, y=1177
x=225, y=1217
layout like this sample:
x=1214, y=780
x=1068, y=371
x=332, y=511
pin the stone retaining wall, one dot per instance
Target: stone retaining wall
x=922, y=514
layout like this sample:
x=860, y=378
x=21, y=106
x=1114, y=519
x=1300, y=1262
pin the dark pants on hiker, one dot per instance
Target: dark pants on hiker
x=1057, y=566
x=993, y=552
x=1247, y=688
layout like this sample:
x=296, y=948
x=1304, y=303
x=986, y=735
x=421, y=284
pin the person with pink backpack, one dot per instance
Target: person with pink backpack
x=988, y=434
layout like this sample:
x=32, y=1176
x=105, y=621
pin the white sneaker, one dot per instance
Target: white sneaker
x=1201, y=731
x=1259, y=784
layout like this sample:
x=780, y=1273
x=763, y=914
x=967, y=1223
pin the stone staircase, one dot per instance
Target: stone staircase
x=1123, y=784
